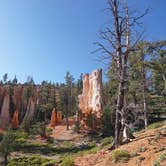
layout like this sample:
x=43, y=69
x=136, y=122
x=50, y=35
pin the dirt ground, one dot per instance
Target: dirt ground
x=148, y=145
x=60, y=132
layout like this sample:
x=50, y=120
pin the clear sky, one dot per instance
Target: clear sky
x=46, y=38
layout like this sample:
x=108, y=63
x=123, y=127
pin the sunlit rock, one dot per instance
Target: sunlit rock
x=90, y=101
x=15, y=121
x=53, y=118
x=4, y=115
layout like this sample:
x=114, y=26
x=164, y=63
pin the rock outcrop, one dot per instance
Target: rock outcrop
x=90, y=101
x=4, y=114
x=26, y=99
x=53, y=118
x=59, y=117
x=15, y=121
x=17, y=97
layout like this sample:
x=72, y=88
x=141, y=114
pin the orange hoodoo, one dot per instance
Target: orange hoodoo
x=53, y=118
x=14, y=121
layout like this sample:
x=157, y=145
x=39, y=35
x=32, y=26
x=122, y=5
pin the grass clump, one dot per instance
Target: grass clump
x=120, y=155
x=142, y=149
x=156, y=125
x=33, y=161
x=161, y=158
x=107, y=141
x=133, y=154
x=68, y=144
x=67, y=161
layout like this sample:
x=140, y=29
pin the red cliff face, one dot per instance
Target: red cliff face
x=17, y=97
x=14, y=121
x=5, y=116
x=90, y=101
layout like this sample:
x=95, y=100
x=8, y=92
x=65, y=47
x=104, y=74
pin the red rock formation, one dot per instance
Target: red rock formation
x=2, y=94
x=53, y=118
x=4, y=116
x=14, y=121
x=17, y=97
x=90, y=101
x=59, y=117
x=29, y=113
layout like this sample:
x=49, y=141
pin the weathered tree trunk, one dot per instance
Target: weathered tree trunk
x=145, y=107
x=144, y=91
x=118, y=111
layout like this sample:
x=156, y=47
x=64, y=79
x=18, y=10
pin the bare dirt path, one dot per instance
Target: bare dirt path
x=60, y=132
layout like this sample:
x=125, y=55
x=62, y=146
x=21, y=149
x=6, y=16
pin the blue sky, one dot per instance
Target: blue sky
x=46, y=38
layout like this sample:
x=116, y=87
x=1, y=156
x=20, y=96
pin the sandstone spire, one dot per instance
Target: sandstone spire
x=53, y=118
x=90, y=101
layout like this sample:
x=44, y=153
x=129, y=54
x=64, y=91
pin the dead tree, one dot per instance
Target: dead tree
x=116, y=45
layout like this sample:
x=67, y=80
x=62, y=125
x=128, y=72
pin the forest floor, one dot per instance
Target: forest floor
x=147, y=148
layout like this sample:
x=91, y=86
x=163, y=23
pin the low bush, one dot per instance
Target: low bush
x=33, y=161
x=120, y=155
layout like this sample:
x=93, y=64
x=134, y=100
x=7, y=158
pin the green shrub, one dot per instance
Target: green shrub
x=120, y=155
x=67, y=161
x=49, y=131
x=77, y=126
x=11, y=141
x=50, y=140
x=8, y=144
x=32, y=161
